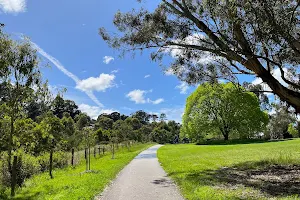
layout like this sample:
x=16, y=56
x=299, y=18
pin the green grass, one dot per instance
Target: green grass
x=74, y=184
x=268, y=170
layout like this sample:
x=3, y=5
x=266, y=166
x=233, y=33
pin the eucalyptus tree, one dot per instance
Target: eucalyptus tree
x=280, y=118
x=222, y=109
x=19, y=73
x=219, y=39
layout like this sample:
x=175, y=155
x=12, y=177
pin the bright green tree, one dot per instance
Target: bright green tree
x=225, y=109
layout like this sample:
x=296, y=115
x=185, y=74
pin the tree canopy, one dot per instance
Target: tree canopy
x=222, y=109
x=219, y=39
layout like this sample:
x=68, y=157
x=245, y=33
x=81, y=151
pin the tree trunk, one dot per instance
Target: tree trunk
x=51, y=163
x=14, y=176
x=95, y=152
x=89, y=158
x=226, y=136
x=113, y=151
x=85, y=153
x=10, y=144
x=72, y=161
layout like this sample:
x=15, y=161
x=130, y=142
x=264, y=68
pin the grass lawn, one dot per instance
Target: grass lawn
x=269, y=170
x=73, y=184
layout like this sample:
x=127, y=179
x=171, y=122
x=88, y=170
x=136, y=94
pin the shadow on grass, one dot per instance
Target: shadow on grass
x=25, y=196
x=235, y=142
x=272, y=180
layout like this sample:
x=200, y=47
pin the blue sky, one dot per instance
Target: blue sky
x=66, y=33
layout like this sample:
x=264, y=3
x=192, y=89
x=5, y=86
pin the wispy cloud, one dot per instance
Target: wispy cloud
x=147, y=76
x=157, y=101
x=66, y=72
x=114, y=71
x=13, y=6
x=108, y=59
x=183, y=87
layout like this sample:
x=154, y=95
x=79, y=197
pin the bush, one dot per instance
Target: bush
x=27, y=166
x=60, y=160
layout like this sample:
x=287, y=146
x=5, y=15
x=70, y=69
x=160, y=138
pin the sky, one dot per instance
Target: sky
x=65, y=33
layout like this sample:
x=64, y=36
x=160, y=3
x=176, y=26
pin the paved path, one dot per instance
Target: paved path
x=142, y=179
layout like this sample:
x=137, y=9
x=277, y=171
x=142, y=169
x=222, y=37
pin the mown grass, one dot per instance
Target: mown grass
x=268, y=170
x=75, y=183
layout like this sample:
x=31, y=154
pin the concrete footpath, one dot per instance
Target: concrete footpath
x=142, y=179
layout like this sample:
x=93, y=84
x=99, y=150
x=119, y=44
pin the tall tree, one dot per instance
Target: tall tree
x=279, y=121
x=222, y=109
x=219, y=39
x=142, y=116
x=19, y=72
x=163, y=117
x=104, y=122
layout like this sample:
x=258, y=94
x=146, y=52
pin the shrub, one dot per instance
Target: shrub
x=27, y=166
x=60, y=160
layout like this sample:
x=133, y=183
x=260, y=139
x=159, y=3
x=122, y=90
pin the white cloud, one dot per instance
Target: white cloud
x=138, y=96
x=147, y=76
x=157, y=101
x=13, y=6
x=66, y=72
x=114, y=71
x=101, y=83
x=94, y=111
x=183, y=87
x=173, y=113
x=107, y=59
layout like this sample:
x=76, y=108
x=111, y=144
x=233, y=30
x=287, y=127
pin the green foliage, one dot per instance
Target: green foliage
x=61, y=106
x=293, y=131
x=222, y=109
x=279, y=122
x=60, y=160
x=104, y=122
x=52, y=131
